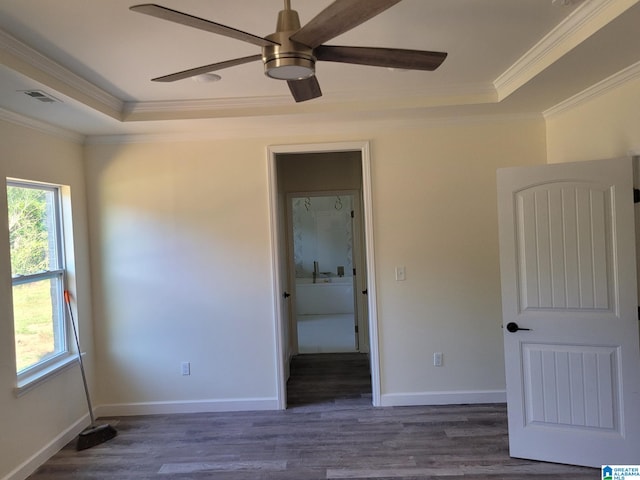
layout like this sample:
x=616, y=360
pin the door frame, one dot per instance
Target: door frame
x=278, y=255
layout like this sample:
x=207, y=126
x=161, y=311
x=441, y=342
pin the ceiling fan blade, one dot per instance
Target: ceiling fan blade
x=339, y=17
x=175, y=16
x=192, y=72
x=381, y=57
x=306, y=89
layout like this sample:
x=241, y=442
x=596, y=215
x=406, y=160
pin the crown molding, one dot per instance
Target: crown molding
x=336, y=102
x=302, y=125
x=608, y=84
x=28, y=61
x=583, y=22
x=200, y=108
x=43, y=127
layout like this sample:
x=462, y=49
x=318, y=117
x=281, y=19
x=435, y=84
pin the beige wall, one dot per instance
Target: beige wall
x=435, y=213
x=607, y=126
x=39, y=422
x=182, y=264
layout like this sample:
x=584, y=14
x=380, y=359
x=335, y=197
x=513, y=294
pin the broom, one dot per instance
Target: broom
x=94, y=434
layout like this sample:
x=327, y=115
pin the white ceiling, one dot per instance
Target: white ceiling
x=505, y=56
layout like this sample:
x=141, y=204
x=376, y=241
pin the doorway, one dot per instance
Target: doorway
x=322, y=171
x=321, y=271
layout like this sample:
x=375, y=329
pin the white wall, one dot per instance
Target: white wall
x=182, y=268
x=41, y=421
x=606, y=126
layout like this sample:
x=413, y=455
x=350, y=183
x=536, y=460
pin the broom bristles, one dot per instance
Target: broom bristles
x=95, y=435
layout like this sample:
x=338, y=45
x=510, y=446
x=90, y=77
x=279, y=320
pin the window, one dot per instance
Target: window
x=37, y=270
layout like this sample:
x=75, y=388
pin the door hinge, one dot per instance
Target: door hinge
x=636, y=195
x=354, y=272
x=638, y=313
x=353, y=215
x=356, y=328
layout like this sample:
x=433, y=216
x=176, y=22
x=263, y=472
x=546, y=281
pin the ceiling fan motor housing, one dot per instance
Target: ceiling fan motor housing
x=290, y=60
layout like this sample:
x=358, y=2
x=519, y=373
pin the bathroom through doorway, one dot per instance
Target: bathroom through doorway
x=323, y=267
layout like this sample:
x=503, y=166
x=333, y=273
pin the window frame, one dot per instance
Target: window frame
x=66, y=355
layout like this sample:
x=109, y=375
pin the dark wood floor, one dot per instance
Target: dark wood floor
x=329, y=431
x=329, y=378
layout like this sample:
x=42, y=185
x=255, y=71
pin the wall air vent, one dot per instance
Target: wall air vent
x=41, y=96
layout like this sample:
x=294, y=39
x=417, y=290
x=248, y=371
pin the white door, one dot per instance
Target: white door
x=568, y=270
x=360, y=278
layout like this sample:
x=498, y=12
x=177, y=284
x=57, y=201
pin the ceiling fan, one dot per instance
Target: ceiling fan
x=291, y=52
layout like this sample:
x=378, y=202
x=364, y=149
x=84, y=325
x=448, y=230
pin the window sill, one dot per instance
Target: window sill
x=27, y=383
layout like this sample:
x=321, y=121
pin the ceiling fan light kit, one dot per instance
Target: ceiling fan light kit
x=292, y=51
x=289, y=68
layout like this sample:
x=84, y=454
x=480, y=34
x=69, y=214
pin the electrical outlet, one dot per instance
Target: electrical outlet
x=186, y=368
x=437, y=359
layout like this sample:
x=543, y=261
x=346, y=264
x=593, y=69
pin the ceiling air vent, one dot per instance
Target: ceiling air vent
x=41, y=96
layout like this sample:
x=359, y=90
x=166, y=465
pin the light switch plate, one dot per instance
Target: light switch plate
x=437, y=359
x=401, y=274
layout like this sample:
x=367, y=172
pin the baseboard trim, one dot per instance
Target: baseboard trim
x=443, y=398
x=195, y=406
x=30, y=465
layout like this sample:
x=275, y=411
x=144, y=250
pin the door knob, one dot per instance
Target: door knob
x=364, y=292
x=286, y=294
x=513, y=327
